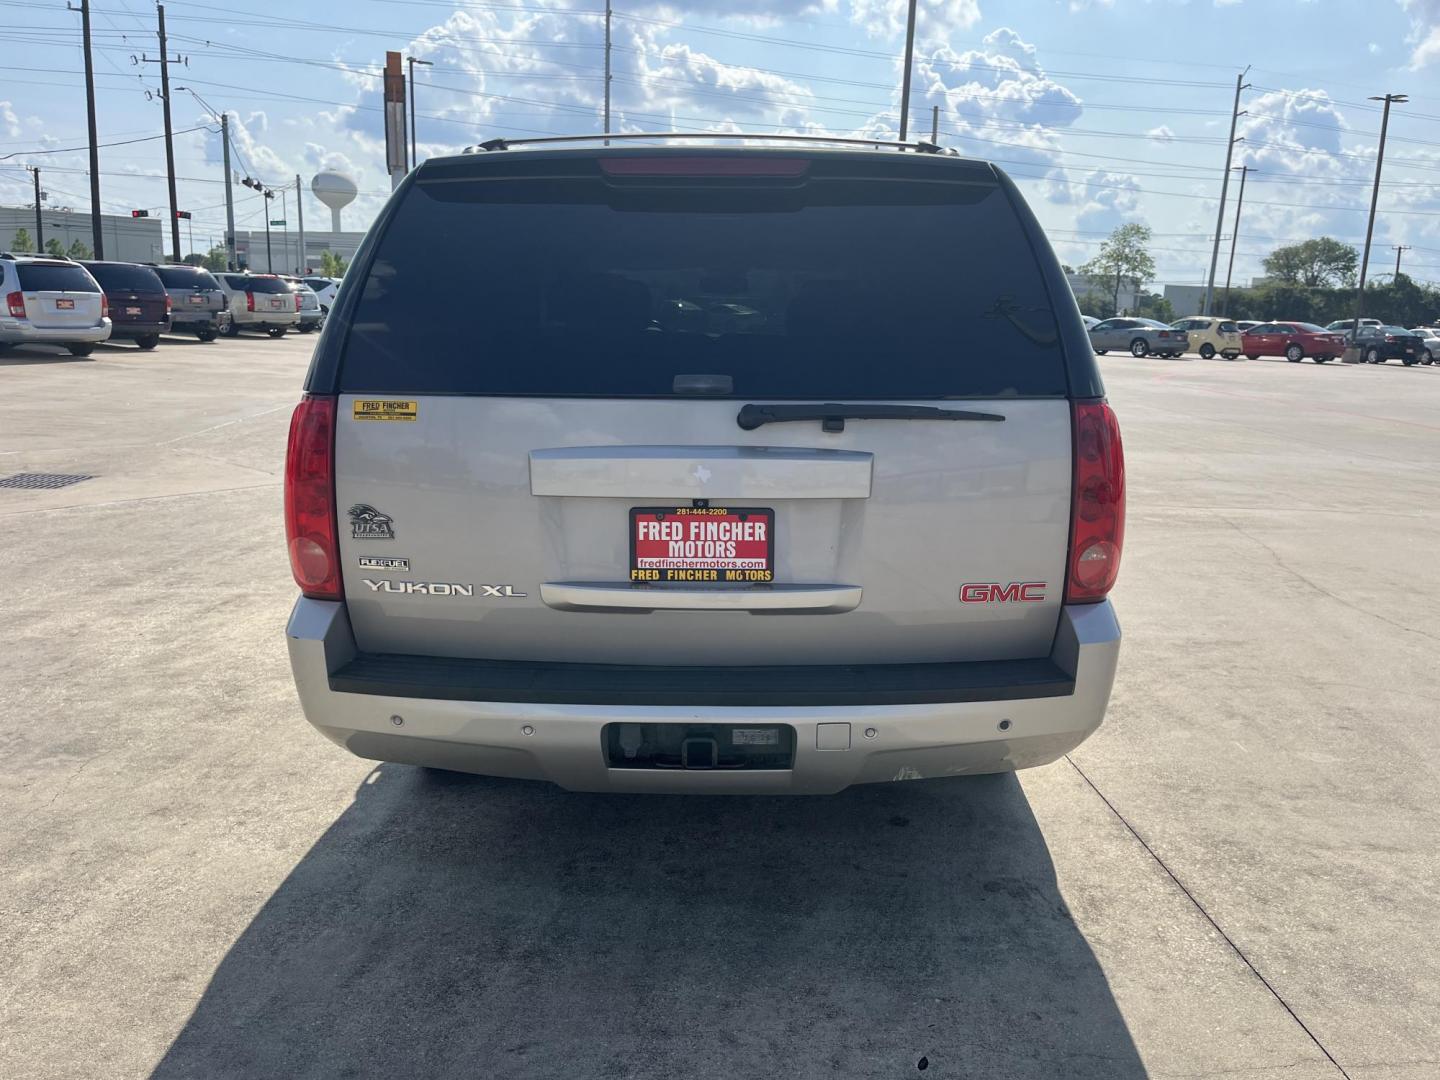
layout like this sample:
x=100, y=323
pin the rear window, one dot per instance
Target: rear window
x=257, y=284
x=54, y=277
x=833, y=288
x=1310, y=328
x=317, y=283
x=186, y=277
x=1228, y=328
x=123, y=276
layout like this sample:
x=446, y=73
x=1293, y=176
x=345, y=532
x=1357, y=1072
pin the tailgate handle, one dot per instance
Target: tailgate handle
x=621, y=596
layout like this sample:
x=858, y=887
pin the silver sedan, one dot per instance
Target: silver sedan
x=1140, y=337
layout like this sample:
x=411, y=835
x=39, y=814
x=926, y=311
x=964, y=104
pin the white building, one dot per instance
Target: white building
x=284, y=253
x=126, y=239
x=1083, y=286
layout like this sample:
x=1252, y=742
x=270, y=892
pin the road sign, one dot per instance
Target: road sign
x=273, y=221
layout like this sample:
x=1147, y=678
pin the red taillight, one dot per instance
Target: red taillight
x=1164, y=333
x=297, y=301
x=310, y=530
x=1097, y=517
x=249, y=301
x=16, y=303
x=665, y=165
x=1390, y=339
x=104, y=306
x=169, y=304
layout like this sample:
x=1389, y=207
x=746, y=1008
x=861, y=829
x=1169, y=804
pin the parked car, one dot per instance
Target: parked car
x=1381, y=343
x=1141, y=336
x=1346, y=325
x=1090, y=322
x=540, y=565
x=326, y=289
x=1292, y=340
x=259, y=302
x=51, y=301
x=1430, y=352
x=197, y=304
x=311, y=317
x=140, y=308
x=1208, y=335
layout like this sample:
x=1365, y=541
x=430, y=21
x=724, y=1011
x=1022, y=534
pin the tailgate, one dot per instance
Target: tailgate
x=59, y=310
x=556, y=469
x=521, y=530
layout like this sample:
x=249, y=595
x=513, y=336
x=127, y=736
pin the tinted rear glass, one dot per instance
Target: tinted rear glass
x=1228, y=328
x=1310, y=328
x=257, y=284
x=842, y=288
x=186, y=277
x=122, y=276
x=54, y=277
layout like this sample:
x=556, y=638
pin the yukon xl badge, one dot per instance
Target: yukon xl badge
x=440, y=588
x=367, y=523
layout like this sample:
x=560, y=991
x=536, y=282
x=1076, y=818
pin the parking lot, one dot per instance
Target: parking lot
x=1236, y=876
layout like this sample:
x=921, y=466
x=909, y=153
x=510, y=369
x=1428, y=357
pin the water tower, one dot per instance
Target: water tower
x=335, y=190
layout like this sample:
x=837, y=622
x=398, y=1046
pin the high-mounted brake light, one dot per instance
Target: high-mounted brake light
x=249, y=301
x=16, y=303
x=311, y=533
x=665, y=165
x=1097, y=516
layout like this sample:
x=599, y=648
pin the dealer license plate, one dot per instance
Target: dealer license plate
x=133, y=311
x=702, y=543
x=197, y=299
x=64, y=305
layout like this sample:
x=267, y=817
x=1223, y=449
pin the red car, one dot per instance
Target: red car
x=1292, y=340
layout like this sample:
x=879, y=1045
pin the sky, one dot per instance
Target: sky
x=1105, y=111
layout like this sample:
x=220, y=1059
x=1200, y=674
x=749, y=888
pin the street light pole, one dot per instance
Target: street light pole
x=1243, y=170
x=1224, y=188
x=1400, y=249
x=40, y=226
x=412, y=61
x=97, y=237
x=1388, y=99
x=905, y=79
x=269, y=262
x=607, y=70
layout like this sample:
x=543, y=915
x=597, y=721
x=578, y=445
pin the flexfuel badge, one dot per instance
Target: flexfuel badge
x=386, y=410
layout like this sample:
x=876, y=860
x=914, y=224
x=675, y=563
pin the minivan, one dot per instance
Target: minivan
x=767, y=469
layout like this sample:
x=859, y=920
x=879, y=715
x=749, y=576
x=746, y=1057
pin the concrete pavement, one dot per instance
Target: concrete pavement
x=1235, y=876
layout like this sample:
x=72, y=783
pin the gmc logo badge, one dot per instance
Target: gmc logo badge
x=989, y=592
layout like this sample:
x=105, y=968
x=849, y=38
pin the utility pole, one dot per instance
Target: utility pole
x=935, y=125
x=302, y=269
x=269, y=262
x=414, y=154
x=1243, y=170
x=40, y=227
x=1398, y=248
x=1388, y=99
x=229, y=193
x=607, y=69
x=1235, y=115
x=164, y=63
x=96, y=236
x=905, y=79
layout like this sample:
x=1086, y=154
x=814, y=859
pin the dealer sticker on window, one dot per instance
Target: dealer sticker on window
x=702, y=543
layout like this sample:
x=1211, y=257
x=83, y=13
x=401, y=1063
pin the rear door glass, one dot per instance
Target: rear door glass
x=120, y=276
x=185, y=277
x=850, y=288
x=53, y=277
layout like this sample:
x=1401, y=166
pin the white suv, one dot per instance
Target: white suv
x=50, y=300
x=260, y=302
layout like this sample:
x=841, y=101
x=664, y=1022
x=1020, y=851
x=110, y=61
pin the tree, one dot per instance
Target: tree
x=1323, y=261
x=332, y=265
x=23, y=241
x=1123, y=258
x=79, y=250
x=216, y=258
x=1154, y=306
x=54, y=247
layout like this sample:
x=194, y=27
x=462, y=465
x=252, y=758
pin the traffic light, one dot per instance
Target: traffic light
x=183, y=215
x=139, y=213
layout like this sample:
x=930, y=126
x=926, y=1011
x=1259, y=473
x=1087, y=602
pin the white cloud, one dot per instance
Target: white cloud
x=935, y=20
x=1162, y=134
x=1110, y=199
x=1374, y=48
x=1424, y=30
x=9, y=122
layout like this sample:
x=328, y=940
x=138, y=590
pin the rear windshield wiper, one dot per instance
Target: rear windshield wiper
x=832, y=417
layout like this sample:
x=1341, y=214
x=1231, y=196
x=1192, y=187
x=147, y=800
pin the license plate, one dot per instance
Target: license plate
x=65, y=305
x=197, y=299
x=702, y=543
x=275, y=304
x=133, y=311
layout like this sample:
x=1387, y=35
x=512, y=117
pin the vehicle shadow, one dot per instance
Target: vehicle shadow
x=21, y=355
x=458, y=926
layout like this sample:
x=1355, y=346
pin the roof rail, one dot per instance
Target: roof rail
x=13, y=255
x=920, y=146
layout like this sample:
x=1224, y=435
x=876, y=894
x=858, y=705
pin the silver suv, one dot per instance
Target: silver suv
x=196, y=300
x=51, y=301
x=259, y=302
x=739, y=470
